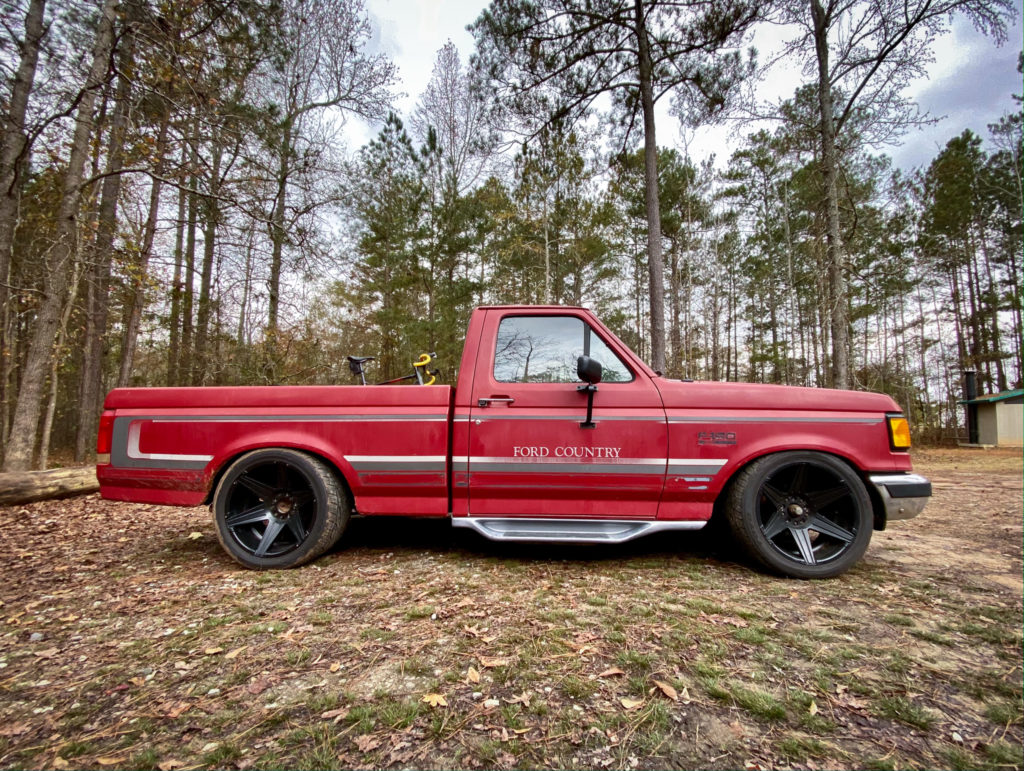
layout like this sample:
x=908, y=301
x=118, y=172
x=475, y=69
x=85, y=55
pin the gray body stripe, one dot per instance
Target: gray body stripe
x=717, y=419
x=290, y=418
x=480, y=415
x=386, y=465
x=569, y=468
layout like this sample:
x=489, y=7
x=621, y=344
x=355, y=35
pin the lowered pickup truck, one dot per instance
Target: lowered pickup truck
x=555, y=431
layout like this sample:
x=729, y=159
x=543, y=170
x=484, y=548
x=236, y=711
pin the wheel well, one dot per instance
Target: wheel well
x=877, y=507
x=219, y=473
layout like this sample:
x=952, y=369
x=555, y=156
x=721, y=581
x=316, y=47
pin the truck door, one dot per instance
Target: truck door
x=528, y=453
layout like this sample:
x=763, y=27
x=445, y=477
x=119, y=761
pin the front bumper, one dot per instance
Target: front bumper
x=903, y=495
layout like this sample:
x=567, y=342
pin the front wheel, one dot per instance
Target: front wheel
x=279, y=508
x=801, y=514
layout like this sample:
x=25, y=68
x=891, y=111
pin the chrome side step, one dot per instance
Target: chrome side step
x=567, y=530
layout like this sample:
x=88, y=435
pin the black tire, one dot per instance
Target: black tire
x=279, y=508
x=801, y=514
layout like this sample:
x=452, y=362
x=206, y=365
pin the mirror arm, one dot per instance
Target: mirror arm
x=589, y=388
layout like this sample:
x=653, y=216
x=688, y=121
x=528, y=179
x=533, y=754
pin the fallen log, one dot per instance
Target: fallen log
x=28, y=486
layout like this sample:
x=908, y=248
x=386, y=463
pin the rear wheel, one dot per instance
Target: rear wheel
x=278, y=508
x=801, y=514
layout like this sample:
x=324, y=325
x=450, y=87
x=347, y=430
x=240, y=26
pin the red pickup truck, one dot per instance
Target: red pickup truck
x=555, y=431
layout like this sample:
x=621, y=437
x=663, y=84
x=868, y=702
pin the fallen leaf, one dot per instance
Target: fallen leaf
x=213, y=651
x=631, y=704
x=367, y=743
x=170, y=765
x=109, y=761
x=258, y=686
x=334, y=714
x=523, y=698
x=685, y=695
x=335, y=666
x=813, y=709
x=182, y=666
x=957, y=738
x=17, y=729
x=668, y=690
x=435, y=700
x=49, y=653
x=612, y=671
x=176, y=710
x=494, y=661
x=472, y=675
x=234, y=654
x=59, y=762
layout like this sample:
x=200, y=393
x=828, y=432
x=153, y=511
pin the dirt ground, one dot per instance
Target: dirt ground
x=129, y=640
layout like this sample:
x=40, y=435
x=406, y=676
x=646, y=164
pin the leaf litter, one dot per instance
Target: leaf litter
x=128, y=643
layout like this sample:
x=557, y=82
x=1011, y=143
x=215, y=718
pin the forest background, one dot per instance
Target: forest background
x=178, y=205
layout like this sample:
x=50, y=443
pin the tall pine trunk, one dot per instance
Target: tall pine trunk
x=98, y=273
x=655, y=260
x=133, y=311
x=839, y=312
x=60, y=258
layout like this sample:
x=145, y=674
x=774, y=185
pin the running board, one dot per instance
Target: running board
x=567, y=530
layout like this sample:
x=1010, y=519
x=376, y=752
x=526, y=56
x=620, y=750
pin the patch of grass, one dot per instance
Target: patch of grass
x=321, y=702
x=635, y=661
x=577, y=688
x=932, y=637
x=898, y=619
x=752, y=635
x=419, y=611
x=994, y=635
x=296, y=657
x=321, y=618
x=1003, y=754
x=1003, y=712
x=959, y=759
x=363, y=717
x=905, y=711
x=416, y=666
x=801, y=748
x=224, y=754
x=74, y=749
x=380, y=635
x=758, y=703
x=146, y=759
x=399, y=713
x=597, y=600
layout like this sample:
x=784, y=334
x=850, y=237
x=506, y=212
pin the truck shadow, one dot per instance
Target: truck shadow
x=418, y=535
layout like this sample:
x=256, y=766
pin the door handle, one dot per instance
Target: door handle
x=485, y=401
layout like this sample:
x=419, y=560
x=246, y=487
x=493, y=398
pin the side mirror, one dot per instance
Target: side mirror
x=588, y=370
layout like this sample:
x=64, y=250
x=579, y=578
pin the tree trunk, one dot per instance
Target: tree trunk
x=277, y=238
x=212, y=212
x=51, y=406
x=24, y=429
x=133, y=313
x=13, y=153
x=44, y=485
x=835, y=263
x=174, y=342
x=98, y=275
x=655, y=261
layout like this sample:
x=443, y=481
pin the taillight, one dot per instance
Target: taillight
x=103, y=439
x=899, y=432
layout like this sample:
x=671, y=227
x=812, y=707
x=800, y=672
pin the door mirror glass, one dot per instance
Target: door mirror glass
x=588, y=370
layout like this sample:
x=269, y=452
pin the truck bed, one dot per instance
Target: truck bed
x=390, y=441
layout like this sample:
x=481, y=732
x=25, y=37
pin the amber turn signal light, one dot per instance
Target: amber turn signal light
x=899, y=432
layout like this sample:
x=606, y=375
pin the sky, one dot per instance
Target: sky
x=969, y=84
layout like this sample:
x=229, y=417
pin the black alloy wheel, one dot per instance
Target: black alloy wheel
x=802, y=514
x=279, y=508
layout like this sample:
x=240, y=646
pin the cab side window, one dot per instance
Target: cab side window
x=544, y=349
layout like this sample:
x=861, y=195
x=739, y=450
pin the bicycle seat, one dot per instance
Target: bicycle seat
x=360, y=359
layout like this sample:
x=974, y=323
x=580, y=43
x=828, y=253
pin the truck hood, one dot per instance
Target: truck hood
x=678, y=394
